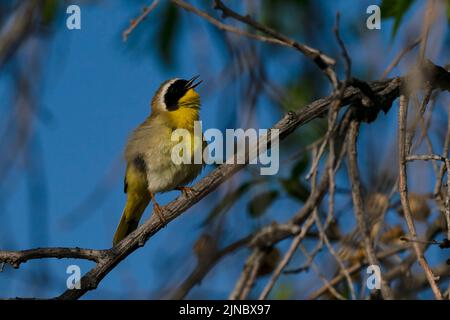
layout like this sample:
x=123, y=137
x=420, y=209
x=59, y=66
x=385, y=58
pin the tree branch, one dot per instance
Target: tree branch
x=324, y=62
x=403, y=188
x=135, y=22
x=16, y=258
x=14, y=33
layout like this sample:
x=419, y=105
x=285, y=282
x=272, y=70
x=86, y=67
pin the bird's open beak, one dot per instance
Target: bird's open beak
x=191, y=83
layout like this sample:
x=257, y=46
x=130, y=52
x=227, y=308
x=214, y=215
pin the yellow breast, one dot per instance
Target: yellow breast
x=183, y=118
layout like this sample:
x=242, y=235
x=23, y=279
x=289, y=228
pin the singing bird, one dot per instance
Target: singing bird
x=150, y=168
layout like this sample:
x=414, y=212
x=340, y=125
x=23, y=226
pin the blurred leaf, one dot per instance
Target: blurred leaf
x=49, y=11
x=261, y=202
x=299, y=93
x=395, y=9
x=448, y=11
x=293, y=185
x=300, y=167
x=273, y=14
x=283, y=291
x=167, y=34
x=269, y=262
x=295, y=189
x=229, y=199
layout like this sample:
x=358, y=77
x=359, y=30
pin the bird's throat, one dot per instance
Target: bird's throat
x=184, y=118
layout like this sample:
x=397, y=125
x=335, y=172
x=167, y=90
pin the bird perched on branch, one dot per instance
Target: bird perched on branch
x=150, y=168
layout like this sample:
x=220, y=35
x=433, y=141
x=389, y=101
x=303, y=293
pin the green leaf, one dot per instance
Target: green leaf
x=167, y=34
x=295, y=189
x=283, y=291
x=230, y=198
x=260, y=203
x=448, y=11
x=49, y=11
x=395, y=9
x=299, y=93
x=300, y=167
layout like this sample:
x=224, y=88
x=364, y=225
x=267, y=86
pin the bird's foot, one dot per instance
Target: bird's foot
x=187, y=191
x=157, y=209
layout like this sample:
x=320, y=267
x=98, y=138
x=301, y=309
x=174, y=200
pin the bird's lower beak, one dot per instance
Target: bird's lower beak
x=192, y=84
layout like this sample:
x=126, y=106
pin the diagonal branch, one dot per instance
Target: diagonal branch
x=135, y=22
x=13, y=34
x=223, y=26
x=324, y=62
x=203, y=267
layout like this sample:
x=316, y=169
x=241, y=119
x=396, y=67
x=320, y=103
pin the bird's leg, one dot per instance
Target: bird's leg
x=157, y=209
x=187, y=191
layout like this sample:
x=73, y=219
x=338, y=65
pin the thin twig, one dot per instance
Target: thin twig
x=353, y=173
x=333, y=111
x=248, y=275
x=225, y=27
x=327, y=284
x=403, y=110
x=426, y=157
x=447, y=199
x=399, y=57
x=427, y=21
x=343, y=268
x=203, y=268
x=248, y=285
x=324, y=62
x=287, y=257
x=13, y=34
x=438, y=185
x=355, y=268
x=135, y=22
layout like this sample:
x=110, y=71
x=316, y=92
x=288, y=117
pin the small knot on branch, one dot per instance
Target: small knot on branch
x=369, y=103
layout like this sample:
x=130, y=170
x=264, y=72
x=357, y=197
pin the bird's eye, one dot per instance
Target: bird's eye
x=174, y=93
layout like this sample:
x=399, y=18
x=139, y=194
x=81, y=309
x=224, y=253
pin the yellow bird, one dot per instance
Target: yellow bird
x=150, y=169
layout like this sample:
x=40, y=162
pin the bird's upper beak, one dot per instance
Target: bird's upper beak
x=192, y=84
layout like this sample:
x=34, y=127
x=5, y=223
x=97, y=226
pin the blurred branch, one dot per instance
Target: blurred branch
x=17, y=30
x=308, y=214
x=355, y=268
x=135, y=22
x=399, y=57
x=204, y=266
x=359, y=206
x=223, y=26
x=295, y=243
x=421, y=282
x=429, y=18
x=401, y=269
x=248, y=275
x=324, y=62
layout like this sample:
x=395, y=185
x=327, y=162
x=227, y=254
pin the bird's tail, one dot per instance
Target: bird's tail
x=131, y=215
